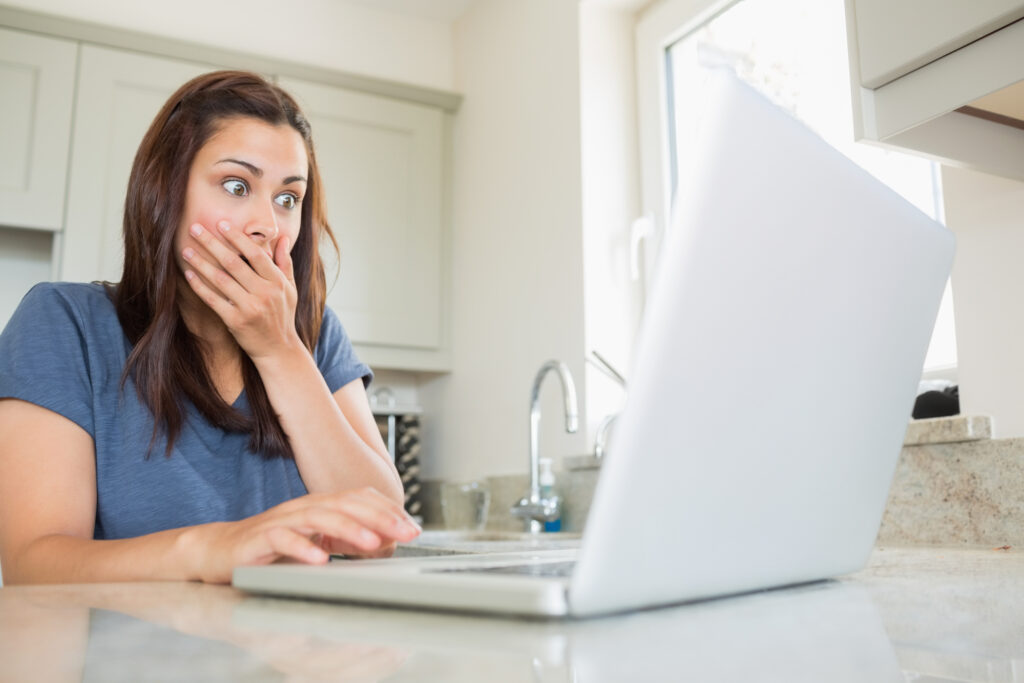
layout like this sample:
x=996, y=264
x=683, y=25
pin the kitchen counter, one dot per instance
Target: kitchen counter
x=914, y=614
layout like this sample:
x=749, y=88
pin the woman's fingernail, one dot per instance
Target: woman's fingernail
x=224, y=226
x=368, y=536
x=189, y=275
x=196, y=229
x=188, y=253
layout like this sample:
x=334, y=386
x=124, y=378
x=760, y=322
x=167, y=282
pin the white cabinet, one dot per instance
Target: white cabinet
x=37, y=83
x=925, y=75
x=382, y=163
x=119, y=94
x=898, y=37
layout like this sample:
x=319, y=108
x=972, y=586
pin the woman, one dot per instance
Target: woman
x=207, y=411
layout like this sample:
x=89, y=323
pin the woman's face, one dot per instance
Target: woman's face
x=251, y=174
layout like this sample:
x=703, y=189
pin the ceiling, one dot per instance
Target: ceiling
x=438, y=10
x=450, y=10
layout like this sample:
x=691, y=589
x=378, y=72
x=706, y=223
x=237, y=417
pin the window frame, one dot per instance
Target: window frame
x=657, y=29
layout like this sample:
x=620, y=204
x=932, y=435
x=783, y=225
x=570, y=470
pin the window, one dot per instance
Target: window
x=794, y=52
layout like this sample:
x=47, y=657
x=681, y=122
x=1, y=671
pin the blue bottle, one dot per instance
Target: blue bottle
x=547, y=492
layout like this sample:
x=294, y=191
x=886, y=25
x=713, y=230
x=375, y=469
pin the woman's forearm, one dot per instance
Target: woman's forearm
x=60, y=558
x=360, y=522
x=329, y=452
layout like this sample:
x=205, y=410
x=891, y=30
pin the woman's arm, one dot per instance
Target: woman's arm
x=335, y=440
x=48, y=511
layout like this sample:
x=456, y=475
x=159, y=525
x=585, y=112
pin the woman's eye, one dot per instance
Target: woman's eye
x=235, y=187
x=287, y=200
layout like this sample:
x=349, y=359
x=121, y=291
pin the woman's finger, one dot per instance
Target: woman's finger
x=375, y=510
x=225, y=257
x=215, y=300
x=261, y=261
x=385, y=521
x=283, y=259
x=338, y=547
x=289, y=543
x=214, y=275
x=236, y=253
x=338, y=525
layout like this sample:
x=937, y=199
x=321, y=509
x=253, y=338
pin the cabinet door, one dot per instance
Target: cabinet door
x=37, y=85
x=381, y=163
x=895, y=38
x=119, y=94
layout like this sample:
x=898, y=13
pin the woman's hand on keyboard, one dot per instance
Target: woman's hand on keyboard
x=360, y=522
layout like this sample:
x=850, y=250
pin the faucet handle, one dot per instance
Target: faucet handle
x=543, y=510
x=601, y=438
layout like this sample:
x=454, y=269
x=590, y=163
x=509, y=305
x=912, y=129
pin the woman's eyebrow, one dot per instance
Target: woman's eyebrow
x=255, y=170
x=258, y=172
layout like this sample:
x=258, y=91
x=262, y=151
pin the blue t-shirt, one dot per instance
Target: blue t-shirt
x=64, y=350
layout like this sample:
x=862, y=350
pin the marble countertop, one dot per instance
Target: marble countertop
x=914, y=614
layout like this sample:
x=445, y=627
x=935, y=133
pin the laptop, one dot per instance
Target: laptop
x=774, y=377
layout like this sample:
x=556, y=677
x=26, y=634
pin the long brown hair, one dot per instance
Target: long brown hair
x=167, y=361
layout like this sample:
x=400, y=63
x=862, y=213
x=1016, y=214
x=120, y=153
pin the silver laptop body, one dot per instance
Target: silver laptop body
x=775, y=373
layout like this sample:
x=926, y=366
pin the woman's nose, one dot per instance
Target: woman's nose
x=262, y=224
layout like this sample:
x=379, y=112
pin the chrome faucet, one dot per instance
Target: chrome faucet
x=534, y=508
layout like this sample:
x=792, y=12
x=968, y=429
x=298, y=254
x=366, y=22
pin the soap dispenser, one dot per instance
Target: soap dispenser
x=548, y=495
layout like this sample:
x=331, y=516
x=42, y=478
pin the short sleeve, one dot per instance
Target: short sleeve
x=335, y=356
x=44, y=358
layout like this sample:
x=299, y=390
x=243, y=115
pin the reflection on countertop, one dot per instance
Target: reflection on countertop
x=912, y=614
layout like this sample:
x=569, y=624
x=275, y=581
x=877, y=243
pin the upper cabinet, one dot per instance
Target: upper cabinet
x=119, y=95
x=943, y=78
x=37, y=85
x=382, y=164
x=898, y=37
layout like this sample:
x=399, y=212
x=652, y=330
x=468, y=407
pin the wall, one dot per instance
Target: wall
x=517, y=275
x=325, y=33
x=25, y=257
x=987, y=214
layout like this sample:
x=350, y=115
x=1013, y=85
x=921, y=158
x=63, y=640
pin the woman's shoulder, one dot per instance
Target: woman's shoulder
x=335, y=356
x=84, y=305
x=85, y=296
x=60, y=347
x=332, y=333
x=82, y=293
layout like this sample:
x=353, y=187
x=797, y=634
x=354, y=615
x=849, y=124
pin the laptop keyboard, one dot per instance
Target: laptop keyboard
x=539, y=569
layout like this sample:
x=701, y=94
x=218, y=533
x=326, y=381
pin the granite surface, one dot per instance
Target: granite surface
x=914, y=614
x=957, y=493
x=948, y=430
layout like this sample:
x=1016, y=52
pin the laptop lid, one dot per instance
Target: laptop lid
x=775, y=371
